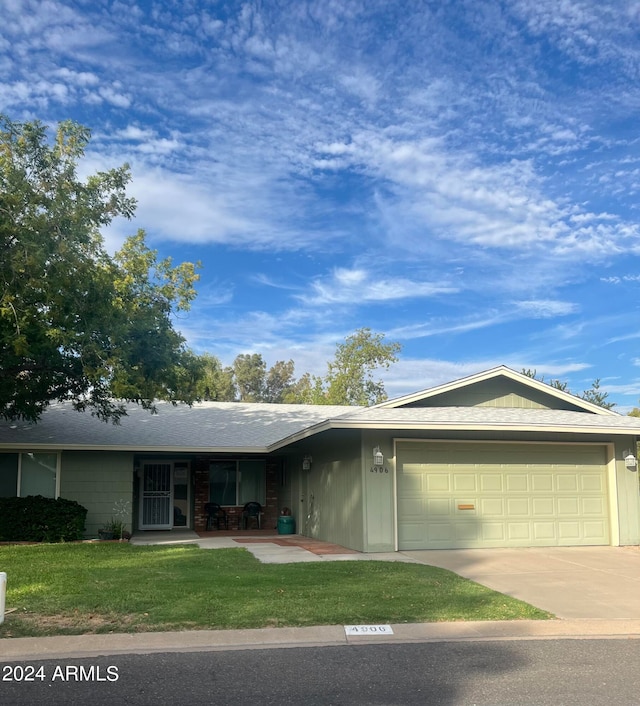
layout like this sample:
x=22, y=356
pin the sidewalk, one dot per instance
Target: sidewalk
x=77, y=646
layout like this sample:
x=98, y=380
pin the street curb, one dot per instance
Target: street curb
x=77, y=646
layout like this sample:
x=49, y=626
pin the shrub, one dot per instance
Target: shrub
x=39, y=519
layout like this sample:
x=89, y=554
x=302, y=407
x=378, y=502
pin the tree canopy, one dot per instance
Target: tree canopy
x=594, y=394
x=348, y=381
x=75, y=323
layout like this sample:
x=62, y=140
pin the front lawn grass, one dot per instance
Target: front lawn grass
x=111, y=587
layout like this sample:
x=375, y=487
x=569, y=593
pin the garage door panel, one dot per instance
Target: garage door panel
x=410, y=507
x=492, y=506
x=466, y=481
x=412, y=533
x=518, y=531
x=491, y=482
x=592, y=483
x=593, y=506
x=518, y=506
x=501, y=495
x=467, y=532
x=493, y=532
x=412, y=482
x=438, y=482
x=542, y=482
x=439, y=533
x=567, y=482
x=517, y=482
x=568, y=507
x=544, y=531
x=568, y=530
x=542, y=507
x=438, y=507
x=594, y=529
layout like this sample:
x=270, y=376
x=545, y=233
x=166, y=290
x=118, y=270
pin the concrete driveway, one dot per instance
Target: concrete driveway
x=570, y=582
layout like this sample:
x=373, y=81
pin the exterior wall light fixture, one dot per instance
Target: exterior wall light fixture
x=306, y=462
x=630, y=461
x=378, y=458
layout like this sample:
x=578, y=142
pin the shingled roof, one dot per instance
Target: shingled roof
x=261, y=428
x=206, y=426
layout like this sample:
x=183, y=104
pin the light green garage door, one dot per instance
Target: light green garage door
x=501, y=495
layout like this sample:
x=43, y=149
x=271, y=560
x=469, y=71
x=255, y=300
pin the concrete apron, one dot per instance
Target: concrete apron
x=571, y=582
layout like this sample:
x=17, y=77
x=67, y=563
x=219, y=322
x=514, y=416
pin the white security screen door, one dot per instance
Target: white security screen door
x=156, y=509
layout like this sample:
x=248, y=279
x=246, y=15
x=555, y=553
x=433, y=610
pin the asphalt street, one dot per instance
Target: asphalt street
x=510, y=673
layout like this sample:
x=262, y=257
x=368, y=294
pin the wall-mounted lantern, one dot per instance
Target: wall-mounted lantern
x=306, y=462
x=630, y=461
x=378, y=458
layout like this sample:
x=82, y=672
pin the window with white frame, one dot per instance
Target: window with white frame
x=235, y=483
x=29, y=473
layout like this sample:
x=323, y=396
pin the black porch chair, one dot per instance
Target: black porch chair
x=215, y=515
x=252, y=510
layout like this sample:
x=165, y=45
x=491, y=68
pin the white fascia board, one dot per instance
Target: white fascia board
x=300, y=435
x=476, y=426
x=137, y=449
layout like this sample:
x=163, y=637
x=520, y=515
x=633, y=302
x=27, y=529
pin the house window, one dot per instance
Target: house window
x=29, y=474
x=9, y=475
x=237, y=482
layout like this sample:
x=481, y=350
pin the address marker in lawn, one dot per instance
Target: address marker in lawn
x=368, y=630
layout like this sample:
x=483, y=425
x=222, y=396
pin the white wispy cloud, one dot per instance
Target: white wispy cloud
x=546, y=308
x=346, y=285
x=437, y=327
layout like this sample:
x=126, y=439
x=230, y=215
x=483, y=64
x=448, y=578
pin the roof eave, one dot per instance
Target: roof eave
x=474, y=426
x=137, y=449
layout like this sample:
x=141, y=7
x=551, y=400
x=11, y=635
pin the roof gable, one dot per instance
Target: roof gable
x=498, y=387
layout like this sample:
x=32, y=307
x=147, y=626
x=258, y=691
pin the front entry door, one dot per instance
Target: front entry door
x=156, y=507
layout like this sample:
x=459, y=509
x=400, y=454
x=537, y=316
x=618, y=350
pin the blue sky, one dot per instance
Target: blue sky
x=461, y=176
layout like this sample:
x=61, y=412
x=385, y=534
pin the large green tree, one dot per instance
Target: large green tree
x=280, y=382
x=75, y=323
x=350, y=375
x=249, y=371
x=214, y=382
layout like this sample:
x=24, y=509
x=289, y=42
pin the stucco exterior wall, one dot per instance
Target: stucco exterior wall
x=97, y=480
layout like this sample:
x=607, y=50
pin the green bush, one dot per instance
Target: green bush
x=39, y=519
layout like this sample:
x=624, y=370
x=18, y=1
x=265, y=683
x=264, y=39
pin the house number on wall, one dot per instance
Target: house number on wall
x=378, y=469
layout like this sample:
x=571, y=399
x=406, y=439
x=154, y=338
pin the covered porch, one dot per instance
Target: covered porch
x=173, y=494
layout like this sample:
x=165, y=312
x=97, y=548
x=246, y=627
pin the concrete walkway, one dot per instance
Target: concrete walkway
x=269, y=549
